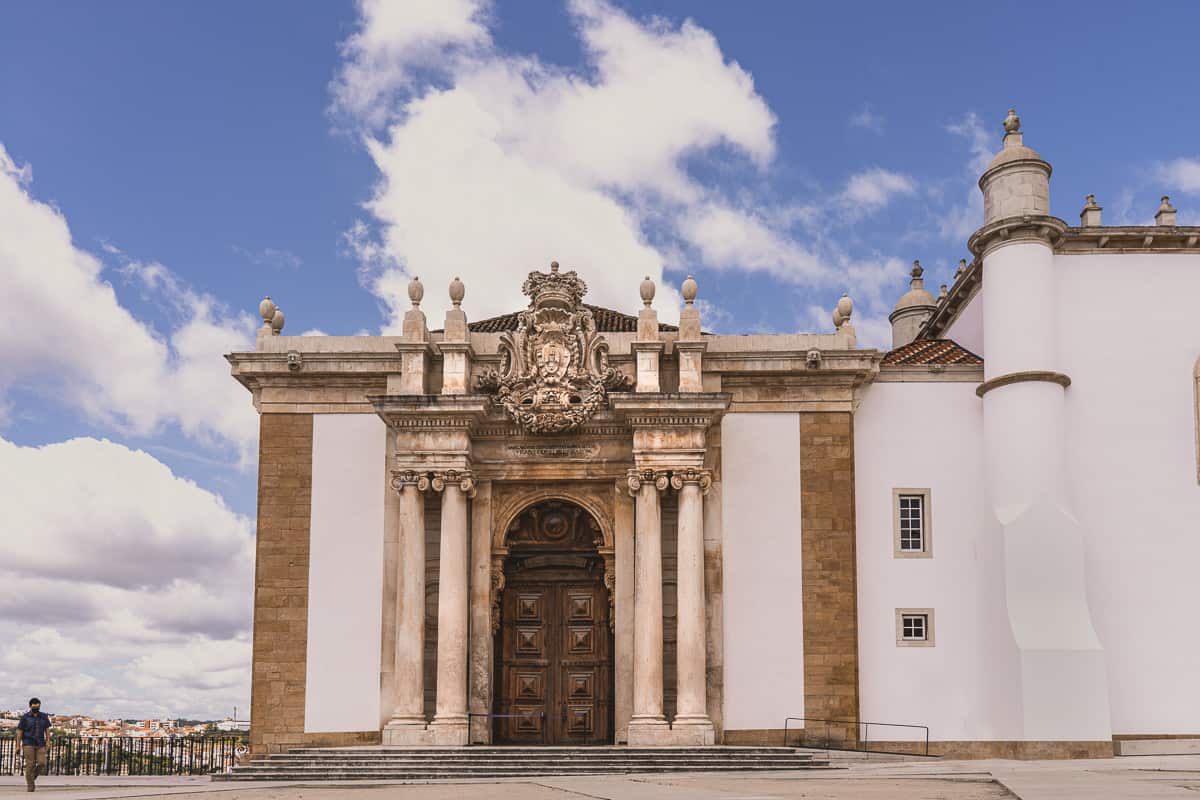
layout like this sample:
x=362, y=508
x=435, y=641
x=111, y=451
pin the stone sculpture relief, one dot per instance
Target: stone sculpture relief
x=554, y=372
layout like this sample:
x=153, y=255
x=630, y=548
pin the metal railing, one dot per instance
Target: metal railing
x=837, y=737
x=129, y=755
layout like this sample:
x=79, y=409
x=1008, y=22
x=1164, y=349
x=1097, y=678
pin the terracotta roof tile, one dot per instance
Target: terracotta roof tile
x=607, y=321
x=932, y=351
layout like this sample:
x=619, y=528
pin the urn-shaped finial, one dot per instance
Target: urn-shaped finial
x=266, y=309
x=647, y=291
x=277, y=321
x=688, y=290
x=1012, y=123
x=845, y=306
x=416, y=291
x=457, y=291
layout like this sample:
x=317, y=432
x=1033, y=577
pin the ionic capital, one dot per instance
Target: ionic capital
x=464, y=479
x=689, y=475
x=410, y=477
x=660, y=479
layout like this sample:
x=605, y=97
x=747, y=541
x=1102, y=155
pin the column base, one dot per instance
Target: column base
x=694, y=731
x=410, y=732
x=450, y=731
x=651, y=732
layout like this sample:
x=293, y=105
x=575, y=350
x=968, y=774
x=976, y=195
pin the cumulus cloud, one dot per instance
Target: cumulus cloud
x=64, y=332
x=493, y=163
x=1182, y=174
x=870, y=190
x=117, y=575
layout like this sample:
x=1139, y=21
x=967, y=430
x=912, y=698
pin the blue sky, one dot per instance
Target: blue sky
x=163, y=166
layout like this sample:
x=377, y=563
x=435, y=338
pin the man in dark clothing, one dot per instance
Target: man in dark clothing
x=34, y=733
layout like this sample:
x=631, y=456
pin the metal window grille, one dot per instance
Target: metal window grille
x=912, y=523
x=914, y=627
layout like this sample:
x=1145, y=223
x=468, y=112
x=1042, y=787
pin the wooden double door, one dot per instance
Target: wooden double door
x=556, y=666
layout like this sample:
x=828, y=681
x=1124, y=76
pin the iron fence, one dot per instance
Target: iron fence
x=129, y=755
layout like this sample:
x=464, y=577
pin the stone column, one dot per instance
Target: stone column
x=691, y=715
x=481, y=614
x=407, y=724
x=449, y=726
x=648, y=725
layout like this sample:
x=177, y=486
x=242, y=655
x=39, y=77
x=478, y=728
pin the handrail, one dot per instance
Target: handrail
x=865, y=738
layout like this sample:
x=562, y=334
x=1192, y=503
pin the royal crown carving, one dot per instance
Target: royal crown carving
x=554, y=372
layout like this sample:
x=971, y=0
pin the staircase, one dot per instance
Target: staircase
x=434, y=763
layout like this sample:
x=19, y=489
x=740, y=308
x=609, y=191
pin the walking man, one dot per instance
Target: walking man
x=34, y=733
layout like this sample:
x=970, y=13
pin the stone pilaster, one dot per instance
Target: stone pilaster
x=280, y=645
x=480, y=698
x=828, y=573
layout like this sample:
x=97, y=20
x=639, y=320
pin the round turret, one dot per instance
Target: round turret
x=1017, y=182
x=914, y=308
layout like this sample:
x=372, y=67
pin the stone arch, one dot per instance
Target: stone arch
x=588, y=498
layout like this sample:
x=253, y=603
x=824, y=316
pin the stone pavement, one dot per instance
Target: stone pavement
x=1133, y=778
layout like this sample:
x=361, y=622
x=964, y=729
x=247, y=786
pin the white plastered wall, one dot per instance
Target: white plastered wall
x=1129, y=335
x=966, y=686
x=763, y=628
x=967, y=328
x=345, y=581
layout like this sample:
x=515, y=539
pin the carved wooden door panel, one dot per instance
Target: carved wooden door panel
x=556, y=665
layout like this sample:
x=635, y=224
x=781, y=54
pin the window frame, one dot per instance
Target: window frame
x=926, y=496
x=927, y=613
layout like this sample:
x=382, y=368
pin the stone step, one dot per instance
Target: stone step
x=456, y=763
x=242, y=774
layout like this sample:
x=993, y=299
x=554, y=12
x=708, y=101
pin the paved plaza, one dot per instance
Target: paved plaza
x=1119, y=779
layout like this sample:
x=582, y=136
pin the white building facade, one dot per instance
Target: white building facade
x=569, y=525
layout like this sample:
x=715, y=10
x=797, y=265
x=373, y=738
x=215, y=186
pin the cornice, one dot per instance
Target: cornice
x=670, y=409
x=1131, y=239
x=960, y=294
x=431, y=411
x=1027, y=228
x=1043, y=376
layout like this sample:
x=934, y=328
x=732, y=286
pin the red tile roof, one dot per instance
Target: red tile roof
x=932, y=351
x=607, y=321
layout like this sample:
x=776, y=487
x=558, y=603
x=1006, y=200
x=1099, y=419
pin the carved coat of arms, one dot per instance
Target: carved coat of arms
x=554, y=372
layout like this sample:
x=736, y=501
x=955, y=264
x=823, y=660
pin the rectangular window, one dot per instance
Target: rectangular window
x=914, y=627
x=911, y=522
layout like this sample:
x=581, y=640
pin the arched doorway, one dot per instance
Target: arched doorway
x=554, y=644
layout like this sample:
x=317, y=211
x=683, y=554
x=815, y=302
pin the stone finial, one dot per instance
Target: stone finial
x=962, y=267
x=553, y=267
x=416, y=291
x=917, y=272
x=943, y=294
x=457, y=292
x=838, y=319
x=688, y=290
x=1166, y=213
x=266, y=310
x=647, y=291
x=1089, y=217
x=1012, y=123
x=277, y=321
x=845, y=306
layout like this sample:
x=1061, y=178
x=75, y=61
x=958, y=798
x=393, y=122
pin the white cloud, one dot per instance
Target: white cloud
x=65, y=333
x=870, y=190
x=395, y=39
x=867, y=120
x=960, y=221
x=1181, y=173
x=507, y=163
x=114, y=570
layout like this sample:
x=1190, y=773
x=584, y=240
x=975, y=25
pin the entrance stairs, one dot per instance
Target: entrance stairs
x=434, y=763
